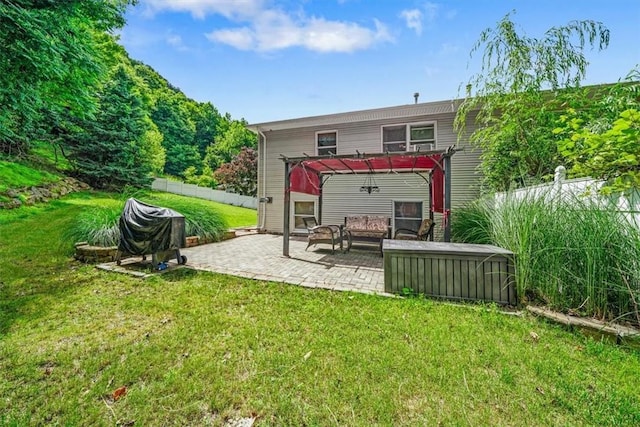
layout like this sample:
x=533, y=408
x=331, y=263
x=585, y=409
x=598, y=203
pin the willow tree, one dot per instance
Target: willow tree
x=513, y=97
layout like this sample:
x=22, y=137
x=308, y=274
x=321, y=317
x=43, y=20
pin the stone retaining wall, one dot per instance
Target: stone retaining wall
x=95, y=254
x=41, y=194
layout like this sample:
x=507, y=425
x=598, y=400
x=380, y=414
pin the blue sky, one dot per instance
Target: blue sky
x=266, y=60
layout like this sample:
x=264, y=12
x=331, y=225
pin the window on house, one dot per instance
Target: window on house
x=409, y=137
x=326, y=143
x=301, y=210
x=407, y=214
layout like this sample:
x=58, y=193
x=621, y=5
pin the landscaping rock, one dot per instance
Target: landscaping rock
x=192, y=241
x=11, y=204
x=230, y=234
x=41, y=194
x=95, y=254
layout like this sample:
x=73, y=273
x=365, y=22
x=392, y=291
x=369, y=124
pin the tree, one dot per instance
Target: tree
x=241, y=174
x=513, y=98
x=50, y=61
x=174, y=121
x=234, y=136
x=613, y=155
x=600, y=136
x=151, y=147
x=111, y=151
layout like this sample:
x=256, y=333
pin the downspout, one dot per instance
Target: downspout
x=263, y=205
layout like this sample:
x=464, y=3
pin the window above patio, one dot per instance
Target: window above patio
x=409, y=137
x=326, y=143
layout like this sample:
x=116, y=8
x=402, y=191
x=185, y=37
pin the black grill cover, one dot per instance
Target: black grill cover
x=147, y=229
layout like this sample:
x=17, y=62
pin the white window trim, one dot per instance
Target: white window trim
x=293, y=215
x=393, y=210
x=315, y=141
x=407, y=133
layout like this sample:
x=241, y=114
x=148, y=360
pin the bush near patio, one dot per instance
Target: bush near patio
x=196, y=348
x=573, y=255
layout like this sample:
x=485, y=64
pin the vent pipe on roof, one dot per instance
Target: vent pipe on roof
x=415, y=97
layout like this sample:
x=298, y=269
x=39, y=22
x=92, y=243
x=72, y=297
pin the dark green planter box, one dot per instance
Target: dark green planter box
x=457, y=271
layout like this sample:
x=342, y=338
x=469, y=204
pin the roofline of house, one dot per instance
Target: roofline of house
x=399, y=111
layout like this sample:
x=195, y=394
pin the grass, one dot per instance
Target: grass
x=17, y=175
x=99, y=226
x=42, y=166
x=573, y=255
x=235, y=216
x=197, y=348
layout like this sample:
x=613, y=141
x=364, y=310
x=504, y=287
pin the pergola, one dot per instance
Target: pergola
x=309, y=174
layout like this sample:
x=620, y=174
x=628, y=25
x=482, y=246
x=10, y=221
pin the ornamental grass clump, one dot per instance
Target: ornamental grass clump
x=574, y=254
x=97, y=226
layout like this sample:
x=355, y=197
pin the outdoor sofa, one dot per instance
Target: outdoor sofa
x=367, y=229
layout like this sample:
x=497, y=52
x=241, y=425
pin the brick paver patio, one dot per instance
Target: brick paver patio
x=259, y=256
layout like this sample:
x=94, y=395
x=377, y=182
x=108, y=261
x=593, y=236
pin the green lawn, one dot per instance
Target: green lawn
x=197, y=348
x=234, y=216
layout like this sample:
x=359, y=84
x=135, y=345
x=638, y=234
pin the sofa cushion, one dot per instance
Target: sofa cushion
x=377, y=223
x=356, y=223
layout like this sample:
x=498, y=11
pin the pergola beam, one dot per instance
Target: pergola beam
x=368, y=155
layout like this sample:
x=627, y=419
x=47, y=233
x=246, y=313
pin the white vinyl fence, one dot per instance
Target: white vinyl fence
x=562, y=189
x=191, y=190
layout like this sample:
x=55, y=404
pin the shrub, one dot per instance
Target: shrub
x=241, y=174
x=575, y=255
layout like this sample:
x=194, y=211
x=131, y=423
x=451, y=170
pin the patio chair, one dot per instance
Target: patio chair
x=329, y=234
x=424, y=232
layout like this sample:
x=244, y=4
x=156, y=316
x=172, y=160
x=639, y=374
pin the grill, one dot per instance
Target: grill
x=151, y=230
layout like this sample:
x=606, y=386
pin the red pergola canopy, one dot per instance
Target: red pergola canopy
x=305, y=173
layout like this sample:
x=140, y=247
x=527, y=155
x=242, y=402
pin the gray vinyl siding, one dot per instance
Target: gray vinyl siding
x=341, y=194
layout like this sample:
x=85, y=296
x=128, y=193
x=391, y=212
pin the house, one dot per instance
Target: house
x=404, y=197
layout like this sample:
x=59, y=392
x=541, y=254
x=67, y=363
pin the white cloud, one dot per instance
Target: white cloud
x=413, y=18
x=275, y=30
x=416, y=19
x=201, y=8
x=262, y=28
x=332, y=36
x=175, y=41
x=240, y=38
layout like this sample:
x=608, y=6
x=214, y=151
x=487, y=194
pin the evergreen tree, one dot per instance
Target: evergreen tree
x=108, y=152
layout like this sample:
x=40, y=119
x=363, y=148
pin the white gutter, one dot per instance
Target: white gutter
x=264, y=180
